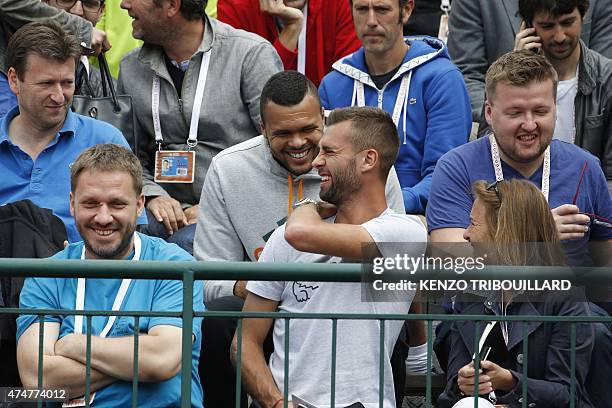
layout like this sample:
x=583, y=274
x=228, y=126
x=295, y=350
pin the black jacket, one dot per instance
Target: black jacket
x=548, y=349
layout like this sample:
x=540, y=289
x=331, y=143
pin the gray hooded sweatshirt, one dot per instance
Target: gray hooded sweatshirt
x=247, y=194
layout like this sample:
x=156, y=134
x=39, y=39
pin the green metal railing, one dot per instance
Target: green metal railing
x=187, y=272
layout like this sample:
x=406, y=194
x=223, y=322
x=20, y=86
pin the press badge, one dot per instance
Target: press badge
x=79, y=402
x=174, y=166
x=443, y=30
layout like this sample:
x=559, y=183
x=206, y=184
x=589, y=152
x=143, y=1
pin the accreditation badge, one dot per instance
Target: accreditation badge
x=174, y=166
x=443, y=30
x=79, y=402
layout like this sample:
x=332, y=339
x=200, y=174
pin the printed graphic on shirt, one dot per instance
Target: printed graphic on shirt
x=303, y=291
x=266, y=236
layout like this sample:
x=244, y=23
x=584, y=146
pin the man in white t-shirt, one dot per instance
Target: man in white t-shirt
x=584, y=93
x=356, y=152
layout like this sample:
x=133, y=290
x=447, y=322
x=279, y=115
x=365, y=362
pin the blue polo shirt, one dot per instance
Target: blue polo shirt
x=450, y=197
x=142, y=295
x=46, y=180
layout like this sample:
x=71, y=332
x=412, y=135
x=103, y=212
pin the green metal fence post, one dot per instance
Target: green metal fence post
x=381, y=367
x=187, y=334
x=238, y=362
x=135, y=373
x=333, y=362
x=573, y=365
x=429, y=354
x=286, y=379
x=525, y=362
x=88, y=362
x=41, y=338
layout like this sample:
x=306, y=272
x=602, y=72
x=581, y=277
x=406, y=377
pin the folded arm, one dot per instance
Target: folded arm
x=159, y=353
x=58, y=371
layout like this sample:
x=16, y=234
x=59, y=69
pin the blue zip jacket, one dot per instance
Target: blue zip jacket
x=435, y=115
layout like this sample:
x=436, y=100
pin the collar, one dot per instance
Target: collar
x=69, y=127
x=421, y=51
x=153, y=55
x=586, y=74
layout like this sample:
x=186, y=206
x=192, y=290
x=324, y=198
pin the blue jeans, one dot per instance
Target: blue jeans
x=183, y=237
x=8, y=100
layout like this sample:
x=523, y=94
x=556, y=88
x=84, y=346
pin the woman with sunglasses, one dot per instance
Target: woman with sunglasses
x=511, y=222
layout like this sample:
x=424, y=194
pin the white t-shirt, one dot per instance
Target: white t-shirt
x=357, y=358
x=565, y=125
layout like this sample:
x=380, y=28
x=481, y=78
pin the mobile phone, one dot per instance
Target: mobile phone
x=529, y=25
x=484, y=354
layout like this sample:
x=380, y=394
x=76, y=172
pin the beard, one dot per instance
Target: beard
x=110, y=252
x=344, y=183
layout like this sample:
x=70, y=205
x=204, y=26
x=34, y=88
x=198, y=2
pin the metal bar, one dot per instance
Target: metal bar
x=238, y=362
x=333, y=362
x=286, y=368
x=429, y=354
x=88, y=362
x=187, y=336
x=525, y=363
x=275, y=271
x=573, y=365
x=135, y=373
x=41, y=338
x=381, y=367
x=476, y=360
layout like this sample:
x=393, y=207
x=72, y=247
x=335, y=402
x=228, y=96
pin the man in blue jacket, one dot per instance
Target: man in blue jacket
x=413, y=80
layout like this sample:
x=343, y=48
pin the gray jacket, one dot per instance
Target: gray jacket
x=16, y=13
x=483, y=30
x=246, y=196
x=240, y=65
x=593, y=108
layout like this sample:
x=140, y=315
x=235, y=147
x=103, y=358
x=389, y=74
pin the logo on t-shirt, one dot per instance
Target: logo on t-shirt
x=302, y=291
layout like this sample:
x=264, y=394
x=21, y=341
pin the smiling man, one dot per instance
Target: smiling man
x=521, y=110
x=195, y=84
x=41, y=137
x=584, y=95
x=356, y=152
x=106, y=199
x=250, y=190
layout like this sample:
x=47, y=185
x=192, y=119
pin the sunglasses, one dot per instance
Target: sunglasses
x=596, y=220
x=493, y=186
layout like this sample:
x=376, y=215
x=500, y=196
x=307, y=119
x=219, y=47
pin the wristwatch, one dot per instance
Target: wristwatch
x=305, y=201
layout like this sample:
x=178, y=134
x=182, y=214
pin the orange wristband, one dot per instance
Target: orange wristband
x=280, y=400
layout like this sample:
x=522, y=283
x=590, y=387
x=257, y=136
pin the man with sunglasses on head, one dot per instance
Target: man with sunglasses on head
x=521, y=110
x=88, y=80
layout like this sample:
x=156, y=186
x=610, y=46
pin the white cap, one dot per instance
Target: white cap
x=469, y=403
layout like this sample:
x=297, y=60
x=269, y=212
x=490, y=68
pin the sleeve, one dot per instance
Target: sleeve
x=467, y=49
x=448, y=125
x=346, y=37
x=215, y=236
x=602, y=204
x=16, y=13
x=145, y=147
x=276, y=244
x=393, y=192
x=458, y=356
x=260, y=64
x=601, y=28
x=450, y=197
x=554, y=389
x=397, y=234
x=168, y=296
x=325, y=102
x=37, y=293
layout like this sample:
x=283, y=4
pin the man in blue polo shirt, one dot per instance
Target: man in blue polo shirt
x=41, y=137
x=105, y=200
x=521, y=110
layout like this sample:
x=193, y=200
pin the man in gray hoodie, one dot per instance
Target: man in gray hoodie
x=249, y=191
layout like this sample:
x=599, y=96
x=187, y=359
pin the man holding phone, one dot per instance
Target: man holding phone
x=585, y=90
